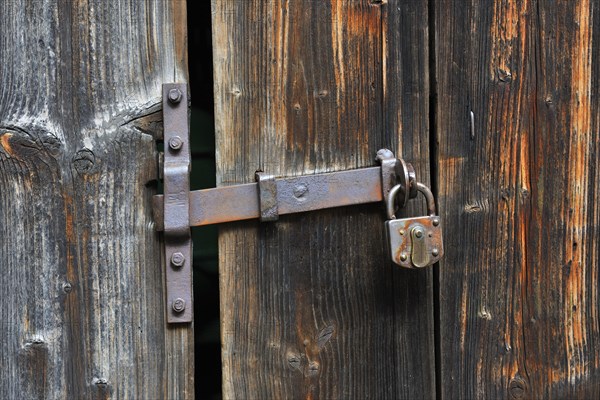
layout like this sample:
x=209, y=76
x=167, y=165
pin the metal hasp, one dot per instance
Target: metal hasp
x=285, y=195
x=176, y=209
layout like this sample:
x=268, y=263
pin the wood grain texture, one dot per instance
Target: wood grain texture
x=309, y=306
x=80, y=275
x=519, y=283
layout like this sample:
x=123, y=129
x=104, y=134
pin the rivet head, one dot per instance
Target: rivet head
x=101, y=382
x=403, y=257
x=436, y=221
x=419, y=233
x=402, y=231
x=177, y=259
x=435, y=252
x=175, y=143
x=175, y=96
x=178, y=305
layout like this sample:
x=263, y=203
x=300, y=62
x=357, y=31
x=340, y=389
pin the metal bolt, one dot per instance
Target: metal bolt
x=419, y=233
x=178, y=305
x=300, y=190
x=403, y=257
x=175, y=143
x=101, y=382
x=436, y=221
x=175, y=96
x=177, y=259
x=384, y=154
x=402, y=231
x=435, y=252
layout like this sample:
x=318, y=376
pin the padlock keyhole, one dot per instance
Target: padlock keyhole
x=419, y=255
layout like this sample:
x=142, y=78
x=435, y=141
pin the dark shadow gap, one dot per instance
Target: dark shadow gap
x=433, y=163
x=207, y=369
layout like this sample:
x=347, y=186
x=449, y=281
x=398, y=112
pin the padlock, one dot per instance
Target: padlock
x=414, y=242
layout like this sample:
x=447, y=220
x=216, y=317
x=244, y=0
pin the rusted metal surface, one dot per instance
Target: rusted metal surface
x=389, y=171
x=399, y=189
x=397, y=171
x=414, y=242
x=336, y=189
x=267, y=197
x=391, y=202
x=428, y=197
x=176, y=207
x=297, y=194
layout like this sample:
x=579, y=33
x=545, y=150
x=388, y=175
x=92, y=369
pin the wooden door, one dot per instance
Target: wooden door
x=309, y=306
x=494, y=102
x=80, y=271
x=508, y=90
x=518, y=192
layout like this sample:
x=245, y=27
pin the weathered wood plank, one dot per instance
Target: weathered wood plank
x=406, y=115
x=519, y=283
x=310, y=308
x=80, y=274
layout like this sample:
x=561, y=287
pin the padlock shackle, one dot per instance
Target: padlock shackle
x=391, y=201
x=429, y=197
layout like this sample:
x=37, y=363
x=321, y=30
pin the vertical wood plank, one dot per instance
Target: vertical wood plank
x=310, y=307
x=81, y=277
x=519, y=283
x=406, y=115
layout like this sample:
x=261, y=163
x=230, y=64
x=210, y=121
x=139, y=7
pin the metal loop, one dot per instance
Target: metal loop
x=429, y=197
x=391, y=200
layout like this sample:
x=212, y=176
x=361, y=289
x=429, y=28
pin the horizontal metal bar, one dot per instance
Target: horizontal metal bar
x=294, y=195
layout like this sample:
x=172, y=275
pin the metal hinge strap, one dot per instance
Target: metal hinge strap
x=176, y=207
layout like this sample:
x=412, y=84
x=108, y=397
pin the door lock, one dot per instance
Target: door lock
x=414, y=242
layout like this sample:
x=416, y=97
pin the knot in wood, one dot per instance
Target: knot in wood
x=84, y=161
x=517, y=387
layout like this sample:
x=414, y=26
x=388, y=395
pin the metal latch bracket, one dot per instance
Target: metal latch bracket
x=178, y=208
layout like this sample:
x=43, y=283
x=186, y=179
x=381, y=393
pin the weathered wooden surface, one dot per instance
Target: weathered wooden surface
x=80, y=276
x=519, y=283
x=310, y=308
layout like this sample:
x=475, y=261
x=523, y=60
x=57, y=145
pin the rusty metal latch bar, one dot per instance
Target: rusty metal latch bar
x=293, y=195
x=178, y=209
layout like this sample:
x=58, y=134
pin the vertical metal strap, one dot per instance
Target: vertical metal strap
x=176, y=180
x=267, y=197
